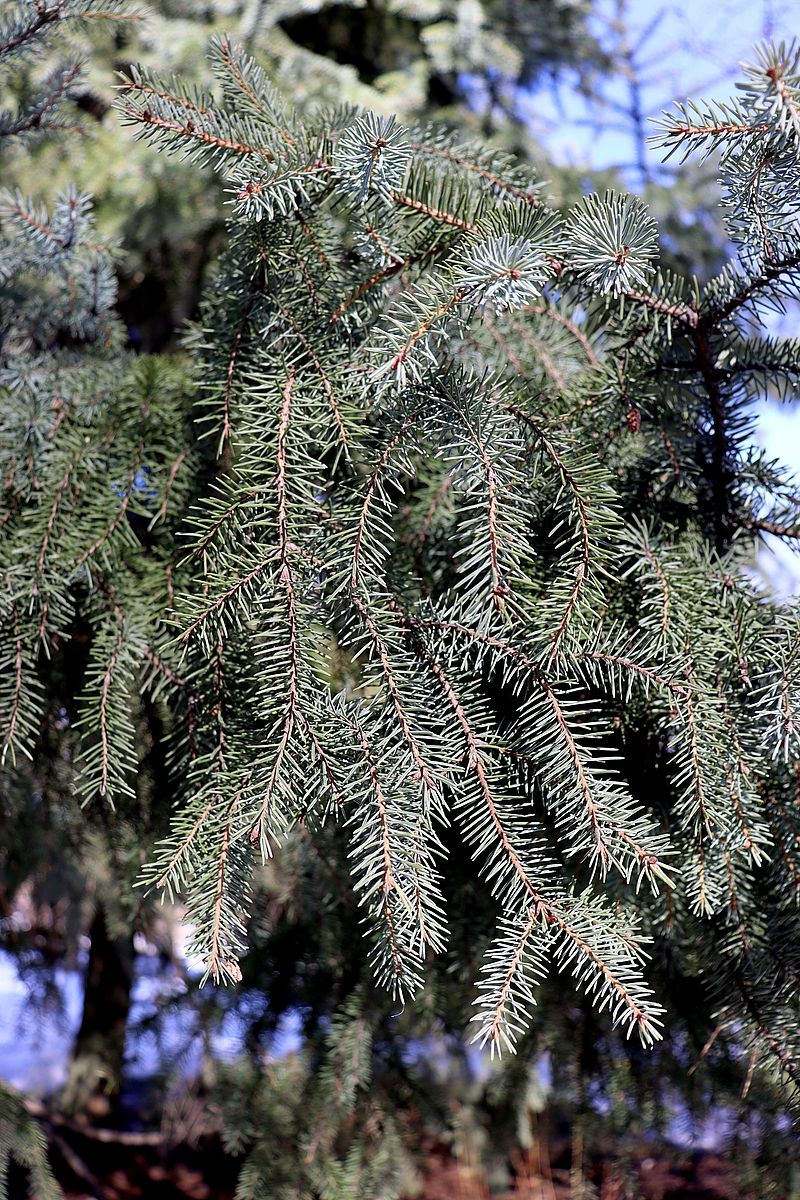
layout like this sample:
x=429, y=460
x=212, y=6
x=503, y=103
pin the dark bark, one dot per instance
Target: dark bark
x=97, y=1058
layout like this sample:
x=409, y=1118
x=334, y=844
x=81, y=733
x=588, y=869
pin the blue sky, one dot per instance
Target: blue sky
x=682, y=48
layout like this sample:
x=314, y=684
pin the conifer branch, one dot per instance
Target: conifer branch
x=552, y=314
x=121, y=513
x=461, y=160
x=546, y=359
x=792, y=532
x=228, y=596
x=218, y=963
x=681, y=314
x=499, y=588
x=435, y=214
x=395, y=268
x=168, y=486
x=286, y=578
x=253, y=291
x=600, y=850
x=664, y=584
x=195, y=134
x=16, y=696
x=411, y=585
x=44, y=15
x=184, y=848
x=232, y=61
x=324, y=378
x=545, y=444
x=750, y=289
x=139, y=87
x=494, y=1031
x=105, y=752
x=447, y=306
x=34, y=116
x=781, y=1054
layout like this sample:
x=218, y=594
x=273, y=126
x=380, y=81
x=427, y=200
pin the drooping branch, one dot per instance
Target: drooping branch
x=286, y=578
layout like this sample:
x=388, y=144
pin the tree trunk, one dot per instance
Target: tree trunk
x=95, y=1073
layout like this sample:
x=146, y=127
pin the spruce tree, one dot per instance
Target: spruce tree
x=467, y=64
x=444, y=602
x=90, y=436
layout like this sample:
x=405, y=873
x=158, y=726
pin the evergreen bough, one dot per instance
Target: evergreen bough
x=452, y=569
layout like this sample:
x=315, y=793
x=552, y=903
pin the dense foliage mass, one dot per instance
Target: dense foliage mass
x=422, y=577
